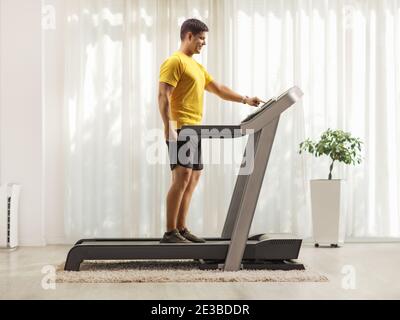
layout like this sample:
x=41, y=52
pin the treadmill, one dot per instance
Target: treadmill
x=235, y=249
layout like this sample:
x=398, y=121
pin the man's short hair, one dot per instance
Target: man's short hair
x=194, y=26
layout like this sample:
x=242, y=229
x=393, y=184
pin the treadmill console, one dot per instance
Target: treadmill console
x=260, y=109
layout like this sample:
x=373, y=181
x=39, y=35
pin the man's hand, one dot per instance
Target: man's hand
x=253, y=101
x=170, y=134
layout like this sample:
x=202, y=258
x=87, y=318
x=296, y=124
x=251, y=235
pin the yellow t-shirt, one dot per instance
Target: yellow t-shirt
x=189, y=79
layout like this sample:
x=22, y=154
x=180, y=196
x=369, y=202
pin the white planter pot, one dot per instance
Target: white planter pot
x=328, y=211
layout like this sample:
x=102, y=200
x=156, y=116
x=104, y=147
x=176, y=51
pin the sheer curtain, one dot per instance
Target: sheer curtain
x=344, y=55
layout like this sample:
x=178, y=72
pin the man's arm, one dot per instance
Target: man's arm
x=164, y=98
x=228, y=94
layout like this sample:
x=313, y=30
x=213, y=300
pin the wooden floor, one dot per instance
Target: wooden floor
x=355, y=271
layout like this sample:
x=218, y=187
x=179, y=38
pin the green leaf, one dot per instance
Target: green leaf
x=336, y=144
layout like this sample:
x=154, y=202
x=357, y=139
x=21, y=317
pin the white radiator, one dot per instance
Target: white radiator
x=9, y=201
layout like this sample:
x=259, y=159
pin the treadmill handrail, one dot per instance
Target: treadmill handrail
x=274, y=108
x=264, y=118
x=211, y=131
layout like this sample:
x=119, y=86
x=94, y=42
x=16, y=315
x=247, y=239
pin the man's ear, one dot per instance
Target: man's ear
x=189, y=36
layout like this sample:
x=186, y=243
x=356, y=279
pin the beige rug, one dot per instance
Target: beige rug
x=175, y=271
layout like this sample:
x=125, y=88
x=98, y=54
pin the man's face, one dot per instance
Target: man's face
x=198, y=41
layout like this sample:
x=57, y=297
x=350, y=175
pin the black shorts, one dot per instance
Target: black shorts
x=185, y=152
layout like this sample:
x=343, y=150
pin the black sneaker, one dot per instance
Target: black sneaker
x=173, y=237
x=190, y=236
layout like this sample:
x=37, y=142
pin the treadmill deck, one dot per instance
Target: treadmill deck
x=213, y=249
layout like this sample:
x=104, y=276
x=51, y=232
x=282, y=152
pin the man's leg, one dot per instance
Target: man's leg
x=186, y=198
x=181, y=178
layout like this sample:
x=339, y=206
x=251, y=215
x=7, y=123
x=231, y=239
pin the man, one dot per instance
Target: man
x=181, y=88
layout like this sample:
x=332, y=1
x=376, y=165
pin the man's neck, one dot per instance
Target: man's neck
x=186, y=51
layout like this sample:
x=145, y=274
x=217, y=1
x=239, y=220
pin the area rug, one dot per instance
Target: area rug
x=175, y=271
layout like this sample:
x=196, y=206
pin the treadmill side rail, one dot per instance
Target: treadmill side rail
x=211, y=132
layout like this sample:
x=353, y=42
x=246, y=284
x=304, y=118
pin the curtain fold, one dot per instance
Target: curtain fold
x=344, y=55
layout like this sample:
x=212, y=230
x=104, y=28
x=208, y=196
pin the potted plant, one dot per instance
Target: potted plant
x=327, y=195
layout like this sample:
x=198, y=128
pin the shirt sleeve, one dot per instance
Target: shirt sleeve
x=208, y=77
x=171, y=71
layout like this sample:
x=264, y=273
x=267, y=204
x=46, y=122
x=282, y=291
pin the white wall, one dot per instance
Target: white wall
x=21, y=117
x=31, y=131
x=53, y=40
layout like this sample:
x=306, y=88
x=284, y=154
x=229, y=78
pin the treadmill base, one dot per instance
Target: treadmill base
x=255, y=265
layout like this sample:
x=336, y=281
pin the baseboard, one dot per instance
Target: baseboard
x=56, y=240
x=31, y=242
x=362, y=240
x=373, y=240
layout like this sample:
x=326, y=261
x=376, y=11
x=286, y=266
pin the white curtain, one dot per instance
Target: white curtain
x=344, y=55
